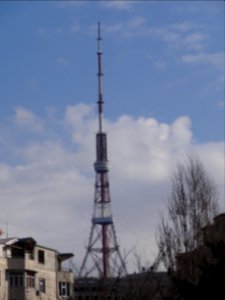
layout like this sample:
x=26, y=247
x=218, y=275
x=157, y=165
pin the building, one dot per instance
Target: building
x=93, y=288
x=212, y=236
x=148, y=285
x=29, y=271
x=201, y=273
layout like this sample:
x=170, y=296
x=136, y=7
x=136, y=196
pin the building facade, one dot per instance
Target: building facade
x=29, y=271
x=200, y=273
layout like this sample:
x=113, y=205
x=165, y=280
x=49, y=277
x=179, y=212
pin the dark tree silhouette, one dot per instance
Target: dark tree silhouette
x=191, y=245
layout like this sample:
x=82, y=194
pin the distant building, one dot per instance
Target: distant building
x=147, y=285
x=92, y=288
x=200, y=273
x=215, y=231
x=188, y=263
x=29, y=271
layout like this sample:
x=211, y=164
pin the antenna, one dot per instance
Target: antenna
x=100, y=75
x=7, y=230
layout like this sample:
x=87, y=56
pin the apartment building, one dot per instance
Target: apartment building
x=29, y=271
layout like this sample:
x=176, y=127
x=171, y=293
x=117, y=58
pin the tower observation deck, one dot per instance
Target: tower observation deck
x=102, y=256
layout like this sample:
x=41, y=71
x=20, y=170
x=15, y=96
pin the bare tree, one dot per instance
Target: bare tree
x=191, y=239
x=192, y=205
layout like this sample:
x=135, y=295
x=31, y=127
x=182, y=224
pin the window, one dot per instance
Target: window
x=41, y=256
x=64, y=288
x=16, y=280
x=30, y=282
x=42, y=285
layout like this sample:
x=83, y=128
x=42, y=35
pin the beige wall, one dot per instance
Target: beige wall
x=47, y=270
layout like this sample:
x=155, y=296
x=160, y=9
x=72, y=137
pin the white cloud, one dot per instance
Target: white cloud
x=144, y=161
x=118, y=4
x=212, y=154
x=79, y=119
x=133, y=27
x=214, y=59
x=183, y=35
x=176, y=38
x=26, y=119
x=5, y=172
x=53, y=189
x=75, y=115
x=195, y=40
x=182, y=26
x=197, y=7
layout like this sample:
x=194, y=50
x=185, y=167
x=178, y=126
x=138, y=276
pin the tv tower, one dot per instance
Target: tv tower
x=102, y=254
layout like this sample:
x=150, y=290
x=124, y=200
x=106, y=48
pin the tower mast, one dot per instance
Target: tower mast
x=102, y=254
x=100, y=74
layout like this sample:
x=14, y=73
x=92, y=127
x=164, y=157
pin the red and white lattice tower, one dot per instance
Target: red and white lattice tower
x=102, y=256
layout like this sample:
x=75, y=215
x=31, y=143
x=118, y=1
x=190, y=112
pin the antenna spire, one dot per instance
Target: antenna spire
x=100, y=75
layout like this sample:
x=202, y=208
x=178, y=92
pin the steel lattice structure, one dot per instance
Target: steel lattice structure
x=102, y=254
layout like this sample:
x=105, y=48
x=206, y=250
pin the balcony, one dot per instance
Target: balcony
x=20, y=263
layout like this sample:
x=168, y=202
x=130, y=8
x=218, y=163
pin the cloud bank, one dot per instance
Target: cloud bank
x=47, y=190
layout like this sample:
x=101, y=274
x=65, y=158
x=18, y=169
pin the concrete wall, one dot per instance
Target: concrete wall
x=31, y=266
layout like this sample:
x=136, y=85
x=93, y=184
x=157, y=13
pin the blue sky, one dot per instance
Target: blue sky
x=163, y=64
x=161, y=59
